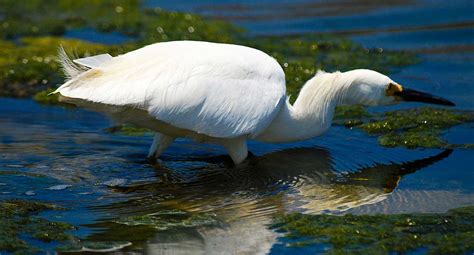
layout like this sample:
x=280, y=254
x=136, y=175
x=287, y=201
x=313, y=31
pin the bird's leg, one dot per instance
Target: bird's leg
x=237, y=148
x=160, y=143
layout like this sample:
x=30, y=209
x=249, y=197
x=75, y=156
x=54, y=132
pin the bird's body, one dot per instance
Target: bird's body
x=205, y=91
x=210, y=92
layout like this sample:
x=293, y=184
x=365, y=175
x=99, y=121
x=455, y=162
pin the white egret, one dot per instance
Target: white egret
x=219, y=93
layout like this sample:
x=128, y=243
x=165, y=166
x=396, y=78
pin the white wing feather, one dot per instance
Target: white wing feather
x=220, y=90
x=94, y=61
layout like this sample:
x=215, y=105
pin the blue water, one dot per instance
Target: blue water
x=108, y=177
x=97, y=37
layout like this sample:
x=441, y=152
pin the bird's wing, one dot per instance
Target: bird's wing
x=215, y=89
x=94, y=61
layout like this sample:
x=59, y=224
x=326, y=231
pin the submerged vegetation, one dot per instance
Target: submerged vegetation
x=412, y=128
x=168, y=219
x=129, y=130
x=19, y=222
x=419, y=127
x=447, y=233
x=20, y=225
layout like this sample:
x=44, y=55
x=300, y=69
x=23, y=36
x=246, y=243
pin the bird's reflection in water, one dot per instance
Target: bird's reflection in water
x=244, y=199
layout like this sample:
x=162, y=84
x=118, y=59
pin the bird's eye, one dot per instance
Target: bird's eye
x=393, y=88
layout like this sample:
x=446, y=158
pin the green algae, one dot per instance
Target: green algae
x=350, y=112
x=166, y=220
x=18, y=220
x=413, y=139
x=350, y=115
x=128, y=130
x=419, y=119
x=411, y=128
x=168, y=224
x=129, y=18
x=445, y=233
x=45, y=97
x=418, y=127
x=31, y=66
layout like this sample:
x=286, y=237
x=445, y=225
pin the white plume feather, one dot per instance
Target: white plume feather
x=69, y=68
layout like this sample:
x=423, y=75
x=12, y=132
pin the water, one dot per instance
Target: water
x=197, y=200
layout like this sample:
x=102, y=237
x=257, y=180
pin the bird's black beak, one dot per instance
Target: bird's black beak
x=411, y=95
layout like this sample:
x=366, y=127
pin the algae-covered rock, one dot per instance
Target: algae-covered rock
x=446, y=233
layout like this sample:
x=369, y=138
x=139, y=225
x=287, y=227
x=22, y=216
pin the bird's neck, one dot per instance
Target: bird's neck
x=311, y=114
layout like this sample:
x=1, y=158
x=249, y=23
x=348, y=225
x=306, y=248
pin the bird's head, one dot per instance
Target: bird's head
x=371, y=88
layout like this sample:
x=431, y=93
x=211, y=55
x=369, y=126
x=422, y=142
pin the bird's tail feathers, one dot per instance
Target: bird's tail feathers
x=80, y=70
x=320, y=72
x=69, y=68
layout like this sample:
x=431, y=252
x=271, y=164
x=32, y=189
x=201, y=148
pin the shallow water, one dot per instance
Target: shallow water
x=197, y=201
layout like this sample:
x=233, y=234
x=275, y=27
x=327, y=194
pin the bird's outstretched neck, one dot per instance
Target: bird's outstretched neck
x=313, y=111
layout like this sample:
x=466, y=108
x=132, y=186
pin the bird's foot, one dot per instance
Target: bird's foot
x=249, y=161
x=152, y=160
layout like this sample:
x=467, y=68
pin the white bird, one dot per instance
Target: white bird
x=219, y=93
